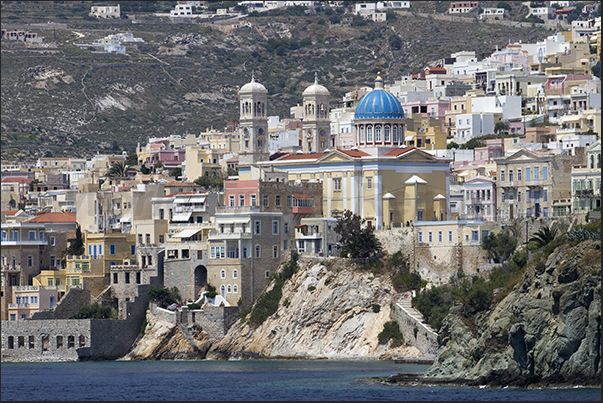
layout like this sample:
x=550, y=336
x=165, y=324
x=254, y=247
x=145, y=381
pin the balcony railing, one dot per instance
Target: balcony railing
x=584, y=193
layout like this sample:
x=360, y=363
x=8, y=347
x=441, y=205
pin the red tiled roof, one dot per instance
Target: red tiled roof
x=313, y=156
x=10, y=212
x=398, y=151
x=53, y=217
x=354, y=153
x=16, y=179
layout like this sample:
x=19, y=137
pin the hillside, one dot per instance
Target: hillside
x=58, y=99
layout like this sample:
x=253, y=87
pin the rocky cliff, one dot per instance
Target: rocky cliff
x=547, y=331
x=326, y=311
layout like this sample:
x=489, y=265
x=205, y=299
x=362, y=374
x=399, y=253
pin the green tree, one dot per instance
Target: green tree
x=452, y=145
x=95, y=311
x=357, y=242
x=164, y=296
x=76, y=247
x=543, y=237
x=395, y=42
x=132, y=159
x=499, y=246
x=177, y=173
x=504, y=5
x=501, y=126
x=118, y=169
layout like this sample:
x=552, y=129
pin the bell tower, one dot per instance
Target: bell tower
x=253, y=123
x=316, y=132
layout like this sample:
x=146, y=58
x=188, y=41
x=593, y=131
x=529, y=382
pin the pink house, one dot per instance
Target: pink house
x=494, y=148
x=432, y=108
x=557, y=82
x=480, y=198
x=241, y=193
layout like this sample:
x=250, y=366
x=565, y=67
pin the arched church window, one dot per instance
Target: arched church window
x=378, y=133
x=395, y=133
x=362, y=134
x=386, y=136
x=369, y=133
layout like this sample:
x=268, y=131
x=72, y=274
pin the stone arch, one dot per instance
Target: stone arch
x=200, y=274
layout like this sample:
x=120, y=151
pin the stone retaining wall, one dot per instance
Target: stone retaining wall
x=425, y=340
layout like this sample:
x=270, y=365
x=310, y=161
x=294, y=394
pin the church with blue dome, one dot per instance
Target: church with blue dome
x=378, y=119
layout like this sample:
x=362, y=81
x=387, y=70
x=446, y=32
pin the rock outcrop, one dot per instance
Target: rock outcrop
x=547, y=331
x=166, y=341
x=326, y=311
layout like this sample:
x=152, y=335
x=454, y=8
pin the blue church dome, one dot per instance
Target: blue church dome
x=379, y=104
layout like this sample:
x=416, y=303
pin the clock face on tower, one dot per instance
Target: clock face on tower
x=246, y=131
x=260, y=131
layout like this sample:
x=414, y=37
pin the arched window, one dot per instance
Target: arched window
x=369, y=134
x=378, y=133
x=362, y=134
x=222, y=273
x=229, y=289
x=598, y=160
x=235, y=273
x=386, y=136
x=222, y=291
x=592, y=161
x=235, y=289
x=395, y=134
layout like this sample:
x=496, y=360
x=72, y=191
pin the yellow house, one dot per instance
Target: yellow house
x=424, y=133
x=201, y=161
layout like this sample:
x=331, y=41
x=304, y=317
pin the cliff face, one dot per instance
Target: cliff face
x=546, y=331
x=334, y=320
x=166, y=341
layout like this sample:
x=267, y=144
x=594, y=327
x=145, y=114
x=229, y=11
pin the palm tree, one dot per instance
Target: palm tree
x=543, y=237
x=118, y=169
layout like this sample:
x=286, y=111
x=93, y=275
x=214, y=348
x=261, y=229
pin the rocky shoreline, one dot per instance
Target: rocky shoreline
x=494, y=382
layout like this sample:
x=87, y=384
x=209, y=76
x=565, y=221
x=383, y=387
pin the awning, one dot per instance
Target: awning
x=181, y=216
x=187, y=233
x=127, y=218
x=302, y=196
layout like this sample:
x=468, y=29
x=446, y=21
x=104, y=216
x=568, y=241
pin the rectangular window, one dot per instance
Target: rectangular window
x=253, y=201
x=241, y=200
x=545, y=173
x=148, y=238
x=257, y=251
x=112, y=249
x=475, y=236
x=449, y=236
x=231, y=200
x=265, y=201
x=52, y=241
x=288, y=201
x=139, y=239
x=502, y=176
x=132, y=250
x=536, y=173
x=510, y=175
x=115, y=278
x=286, y=228
x=161, y=214
x=32, y=235
x=519, y=174
x=275, y=252
x=545, y=195
x=100, y=249
x=275, y=227
x=430, y=237
x=30, y=261
x=528, y=174
x=161, y=238
x=337, y=184
x=439, y=236
x=52, y=261
x=278, y=201
x=258, y=227
x=369, y=182
x=127, y=279
x=420, y=237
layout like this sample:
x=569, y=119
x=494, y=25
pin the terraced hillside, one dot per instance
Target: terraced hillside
x=58, y=99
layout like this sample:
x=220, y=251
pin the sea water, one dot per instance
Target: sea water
x=243, y=380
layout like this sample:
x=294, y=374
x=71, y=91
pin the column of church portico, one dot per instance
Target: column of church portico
x=345, y=190
x=240, y=246
x=328, y=194
x=378, y=201
x=354, y=195
x=360, y=177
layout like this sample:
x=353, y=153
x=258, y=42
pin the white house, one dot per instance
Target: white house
x=472, y=125
x=105, y=11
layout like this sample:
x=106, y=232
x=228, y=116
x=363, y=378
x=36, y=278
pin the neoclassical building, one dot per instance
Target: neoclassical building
x=385, y=182
x=253, y=121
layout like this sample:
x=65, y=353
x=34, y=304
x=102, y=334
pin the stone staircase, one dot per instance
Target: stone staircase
x=404, y=300
x=187, y=331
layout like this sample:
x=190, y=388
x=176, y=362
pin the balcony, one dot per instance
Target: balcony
x=301, y=210
x=585, y=193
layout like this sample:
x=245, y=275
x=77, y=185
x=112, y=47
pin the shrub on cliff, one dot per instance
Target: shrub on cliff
x=95, y=311
x=499, y=246
x=391, y=331
x=357, y=242
x=164, y=296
